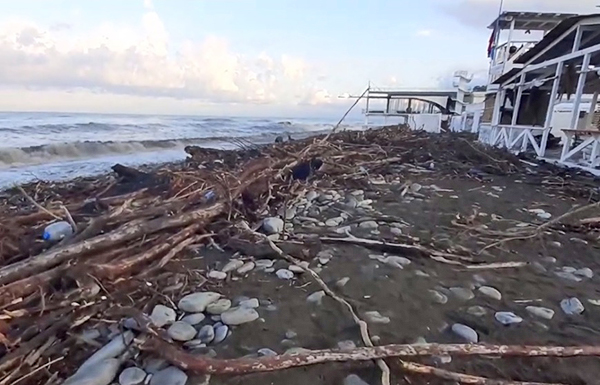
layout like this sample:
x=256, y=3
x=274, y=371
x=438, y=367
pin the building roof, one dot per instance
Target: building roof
x=534, y=21
x=551, y=36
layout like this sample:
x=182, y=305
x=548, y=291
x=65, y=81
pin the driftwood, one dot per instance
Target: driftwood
x=462, y=378
x=206, y=365
x=54, y=257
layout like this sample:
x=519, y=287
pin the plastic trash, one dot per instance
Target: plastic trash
x=209, y=196
x=57, y=231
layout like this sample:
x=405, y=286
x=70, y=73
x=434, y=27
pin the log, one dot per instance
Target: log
x=26, y=286
x=125, y=233
x=460, y=377
x=206, y=365
x=123, y=266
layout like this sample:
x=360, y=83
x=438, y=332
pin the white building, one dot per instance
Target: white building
x=546, y=86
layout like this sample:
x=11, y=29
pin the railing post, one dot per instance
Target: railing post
x=580, y=85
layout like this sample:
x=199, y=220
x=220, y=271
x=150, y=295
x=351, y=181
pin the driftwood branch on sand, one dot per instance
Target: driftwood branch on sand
x=208, y=365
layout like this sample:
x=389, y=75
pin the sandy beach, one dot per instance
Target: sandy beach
x=416, y=232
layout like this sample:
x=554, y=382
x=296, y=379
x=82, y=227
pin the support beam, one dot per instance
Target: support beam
x=577, y=40
x=550, y=111
x=497, y=105
x=551, y=62
x=591, y=111
x=517, y=103
x=579, y=92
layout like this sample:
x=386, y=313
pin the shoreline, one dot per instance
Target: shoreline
x=423, y=211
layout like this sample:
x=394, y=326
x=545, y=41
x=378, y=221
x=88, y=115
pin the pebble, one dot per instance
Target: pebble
x=312, y=195
x=585, y=272
x=342, y=282
x=462, y=293
x=346, y=345
x=316, y=297
x=343, y=230
x=232, y=265
x=194, y=319
x=477, y=311
x=284, y=274
x=270, y=270
x=334, y=222
x=194, y=344
x=239, y=315
x=376, y=318
x=272, y=225
x=296, y=350
x=353, y=379
x=155, y=365
x=542, y=312
x=394, y=261
x=114, y=348
x=490, y=292
x=507, y=318
x=219, y=307
x=290, y=334
x=421, y=273
x=219, y=275
x=595, y=302
x=290, y=213
x=295, y=269
x=132, y=376
x=181, y=331
x=162, y=315
x=101, y=373
x=246, y=268
x=572, y=306
x=419, y=341
x=169, y=376
x=206, y=334
x=221, y=332
x=465, y=332
x=197, y=302
x=369, y=225
x=568, y=276
x=438, y=297
x=266, y=352
x=396, y=231
x=442, y=360
x=264, y=263
x=251, y=303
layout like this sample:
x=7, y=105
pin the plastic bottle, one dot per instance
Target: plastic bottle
x=57, y=231
x=208, y=196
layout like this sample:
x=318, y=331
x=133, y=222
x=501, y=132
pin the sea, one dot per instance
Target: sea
x=62, y=146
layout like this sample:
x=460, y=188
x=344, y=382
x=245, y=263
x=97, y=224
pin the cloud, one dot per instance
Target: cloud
x=480, y=13
x=142, y=60
x=424, y=32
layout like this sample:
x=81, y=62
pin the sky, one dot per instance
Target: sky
x=238, y=57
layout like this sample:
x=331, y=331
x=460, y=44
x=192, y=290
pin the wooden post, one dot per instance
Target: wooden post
x=579, y=92
x=550, y=112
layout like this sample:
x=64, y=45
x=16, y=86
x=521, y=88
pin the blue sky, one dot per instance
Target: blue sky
x=236, y=56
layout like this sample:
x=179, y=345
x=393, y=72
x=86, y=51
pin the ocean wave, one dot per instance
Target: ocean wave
x=57, y=152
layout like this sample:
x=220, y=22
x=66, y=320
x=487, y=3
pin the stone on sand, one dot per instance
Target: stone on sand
x=197, y=302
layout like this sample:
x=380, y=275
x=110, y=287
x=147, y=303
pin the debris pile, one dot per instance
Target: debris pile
x=117, y=267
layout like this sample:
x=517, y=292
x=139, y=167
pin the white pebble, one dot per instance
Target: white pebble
x=541, y=312
x=490, y=292
x=465, y=332
x=284, y=274
x=507, y=318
